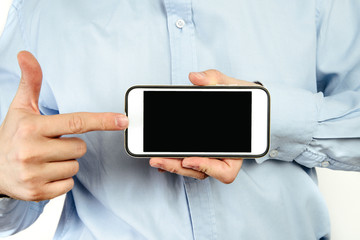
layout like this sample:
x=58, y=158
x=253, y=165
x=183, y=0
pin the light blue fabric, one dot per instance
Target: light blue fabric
x=305, y=52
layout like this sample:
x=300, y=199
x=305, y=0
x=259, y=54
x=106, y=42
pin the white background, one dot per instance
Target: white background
x=341, y=191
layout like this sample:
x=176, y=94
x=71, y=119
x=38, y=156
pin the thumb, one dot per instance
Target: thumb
x=27, y=95
x=215, y=77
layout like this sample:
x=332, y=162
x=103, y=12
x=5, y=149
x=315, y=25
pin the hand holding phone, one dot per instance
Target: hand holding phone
x=211, y=121
x=222, y=168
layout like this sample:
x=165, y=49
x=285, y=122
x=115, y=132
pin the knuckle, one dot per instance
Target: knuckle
x=66, y=187
x=75, y=167
x=26, y=128
x=204, y=169
x=32, y=191
x=215, y=73
x=81, y=147
x=24, y=156
x=33, y=195
x=173, y=170
x=202, y=176
x=70, y=185
x=27, y=179
x=103, y=123
x=76, y=124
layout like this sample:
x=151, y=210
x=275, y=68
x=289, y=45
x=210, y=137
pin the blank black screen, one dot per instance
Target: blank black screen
x=197, y=121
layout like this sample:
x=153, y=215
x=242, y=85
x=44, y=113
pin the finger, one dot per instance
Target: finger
x=215, y=77
x=77, y=123
x=57, y=171
x=57, y=188
x=27, y=95
x=224, y=170
x=61, y=149
x=174, y=165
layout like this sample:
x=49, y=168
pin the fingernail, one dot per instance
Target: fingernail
x=155, y=164
x=186, y=164
x=121, y=121
x=199, y=75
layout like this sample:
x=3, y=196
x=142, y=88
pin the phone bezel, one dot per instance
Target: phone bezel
x=136, y=119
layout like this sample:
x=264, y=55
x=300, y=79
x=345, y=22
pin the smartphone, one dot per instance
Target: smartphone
x=208, y=121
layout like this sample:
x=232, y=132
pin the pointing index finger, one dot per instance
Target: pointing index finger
x=82, y=122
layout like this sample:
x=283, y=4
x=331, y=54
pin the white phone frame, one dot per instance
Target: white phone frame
x=134, y=136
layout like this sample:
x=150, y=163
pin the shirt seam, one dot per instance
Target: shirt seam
x=21, y=21
x=212, y=212
x=67, y=221
x=38, y=207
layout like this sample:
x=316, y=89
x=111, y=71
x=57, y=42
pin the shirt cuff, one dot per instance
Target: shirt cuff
x=7, y=205
x=16, y=215
x=314, y=158
x=294, y=114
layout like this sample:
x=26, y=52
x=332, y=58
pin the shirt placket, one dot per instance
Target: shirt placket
x=201, y=208
x=181, y=32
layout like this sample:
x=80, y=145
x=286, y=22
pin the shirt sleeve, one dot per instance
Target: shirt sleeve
x=15, y=215
x=323, y=129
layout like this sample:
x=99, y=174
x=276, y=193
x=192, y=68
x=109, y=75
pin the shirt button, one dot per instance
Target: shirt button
x=180, y=23
x=325, y=164
x=274, y=153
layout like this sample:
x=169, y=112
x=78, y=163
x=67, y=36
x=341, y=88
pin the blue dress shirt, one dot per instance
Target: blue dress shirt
x=306, y=52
